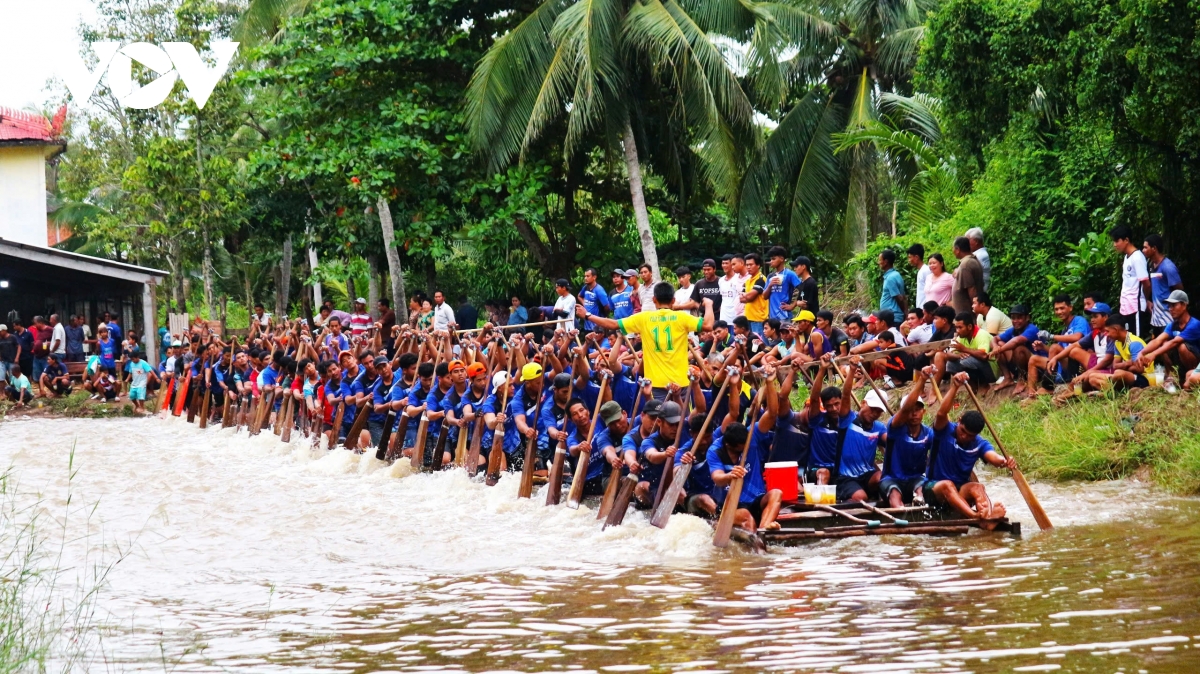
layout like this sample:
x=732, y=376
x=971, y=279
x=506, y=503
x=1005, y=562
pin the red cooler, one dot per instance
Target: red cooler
x=783, y=475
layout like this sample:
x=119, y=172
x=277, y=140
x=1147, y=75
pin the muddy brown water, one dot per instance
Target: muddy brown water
x=251, y=555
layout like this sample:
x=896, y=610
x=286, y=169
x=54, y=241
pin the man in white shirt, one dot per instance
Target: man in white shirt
x=645, y=291
x=58, y=338
x=564, y=306
x=443, y=315
x=733, y=284
x=683, y=296
x=916, y=258
x=975, y=237
x=1135, y=282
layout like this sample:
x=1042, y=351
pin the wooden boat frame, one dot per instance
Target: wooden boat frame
x=802, y=522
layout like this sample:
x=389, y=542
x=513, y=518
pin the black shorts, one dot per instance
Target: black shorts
x=755, y=507
x=847, y=485
x=906, y=487
x=594, y=486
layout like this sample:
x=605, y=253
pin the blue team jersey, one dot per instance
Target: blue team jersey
x=952, y=461
x=1030, y=333
x=269, y=376
x=1078, y=326
x=512, y=439
x=793, y=440
x=351, y=410
x=825, y=430
x=781, y=293
x=596, y=462
x=860, y=447
x=622, y=303
x=551, y=415
x=1162, y=278
x=433, y=404
x=754, y=484
x=700, y=478
x=1190, y=332
x=595, y=301
x=624, y=391
x=381, y=394
x=906, y=457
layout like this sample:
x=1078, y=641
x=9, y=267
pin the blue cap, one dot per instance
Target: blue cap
x=1098, y=308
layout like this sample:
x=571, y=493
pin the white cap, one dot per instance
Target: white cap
x=872, y=399
x=360, y=300
x=3, y=327
x=912, y=394
x=499, y=379
x=177, y=343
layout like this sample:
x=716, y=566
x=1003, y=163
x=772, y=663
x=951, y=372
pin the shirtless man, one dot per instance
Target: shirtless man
x=956, y=449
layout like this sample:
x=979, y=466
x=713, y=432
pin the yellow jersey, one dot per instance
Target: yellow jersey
x=664, y=334
x=758, y=310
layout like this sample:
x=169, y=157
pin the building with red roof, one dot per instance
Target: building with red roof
x=28, y=141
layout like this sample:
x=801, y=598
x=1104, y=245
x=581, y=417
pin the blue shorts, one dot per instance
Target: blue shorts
x=905, y=487
x=137, y=393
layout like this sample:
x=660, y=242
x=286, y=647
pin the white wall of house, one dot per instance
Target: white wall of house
x=23, y=195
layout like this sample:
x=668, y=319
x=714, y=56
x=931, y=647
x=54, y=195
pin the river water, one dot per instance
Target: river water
x=246, y=554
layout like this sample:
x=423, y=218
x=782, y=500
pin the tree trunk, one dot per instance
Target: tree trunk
x=285, y=279
x=399, y=301
x=316, y=286
x=208, y=285
x=640, y=215
x=249, y=291
x=351, y=295
x=373, y=286
x=175, y=260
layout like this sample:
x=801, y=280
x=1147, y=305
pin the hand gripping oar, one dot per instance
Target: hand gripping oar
x=662, y=513
x=493, y=464
x=724, y=529
x=525, y=490
x=575, y=495
x=614, y=477
x=554, y=478
x=1035, y=507
x=668, y=472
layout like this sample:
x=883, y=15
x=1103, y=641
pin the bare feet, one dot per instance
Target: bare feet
x=1004, y=384
x=773, y=526
x=1020, y=388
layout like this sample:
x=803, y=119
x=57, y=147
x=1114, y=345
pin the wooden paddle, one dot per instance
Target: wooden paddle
x=194, y=405
x=338, y=417
x=460, y=446
x=666, y=506
x=497, y=448
x=875, y=388
x=418, y=449
x=614, y=477
x=555, y=477
x=725, y=523
x=525, y=490
x=204, y=407
x=668, y=472
x=575, y=494
x=439, y=447
x=285, y=392
x=385, y=438
x=289, y=418
x=164, y=394
x=398, y=436
x=360, y=422
x=1035, y=507
x=264, y=410
x=225, y=420
x=181, y=394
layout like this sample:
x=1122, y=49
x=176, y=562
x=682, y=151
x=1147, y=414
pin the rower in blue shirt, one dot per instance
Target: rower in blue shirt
x=858, y=477
x=757, y=507
x=593, y=297
x=957, y=447
x=906, y=455
x=828, y=416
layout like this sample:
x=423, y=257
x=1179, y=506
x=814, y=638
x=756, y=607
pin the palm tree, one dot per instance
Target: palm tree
x=594, y=63
x=838, y=78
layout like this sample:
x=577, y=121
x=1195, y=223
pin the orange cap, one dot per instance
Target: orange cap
x=454, y=365
x=475, y=369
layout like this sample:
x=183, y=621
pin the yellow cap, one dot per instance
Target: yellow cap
x=531, y=371
x=806, y=315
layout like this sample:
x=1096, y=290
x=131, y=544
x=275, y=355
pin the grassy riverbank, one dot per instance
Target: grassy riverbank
x=1146, y=433
x=76, y=405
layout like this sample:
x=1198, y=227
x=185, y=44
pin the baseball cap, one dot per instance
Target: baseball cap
x=652, y=408
x=454, y=365
x=787, y=325
x=1177, y=297
x=802, y=260
x=177, y=343
x=619, y=271
x=1018, y=310
x=3, y=327
x=709, y=262
x=872, y=317
x=562, y=380
x=873, y=400
x=670, y=412
x=475, y=369
x=805, y=315
x=531, y=371
x=914, y=393
x=499, y=379
x=1098, y=308
x=361, y=300
x=610, y=412
x=630, y=272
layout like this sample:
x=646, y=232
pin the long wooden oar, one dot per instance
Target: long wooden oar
x=1035, y=507
x=360, y=422
x=494, y=455
x=181, y=393
x=338, y=417
x=614, y=477
x=662, y=512
x=668, y=472
x=525, y=489
x=555, y=476
x=575, y=495
x=724, y=529
x=862, y=368
x=287, y=417
x=385, y=438
x=228, y=407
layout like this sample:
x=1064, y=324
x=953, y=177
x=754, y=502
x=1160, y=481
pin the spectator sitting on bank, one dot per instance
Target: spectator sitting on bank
x=18, y=389
x=55, y=381
x=106, y=387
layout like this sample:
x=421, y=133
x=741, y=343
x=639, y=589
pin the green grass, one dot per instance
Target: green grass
x=74, y=405
x=1106, y=437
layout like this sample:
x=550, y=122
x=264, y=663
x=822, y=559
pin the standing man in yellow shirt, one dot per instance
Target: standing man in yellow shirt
x=664, y=333
x=755, y=295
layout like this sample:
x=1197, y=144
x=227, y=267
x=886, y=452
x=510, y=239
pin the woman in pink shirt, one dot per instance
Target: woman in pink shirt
x=940, y=284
